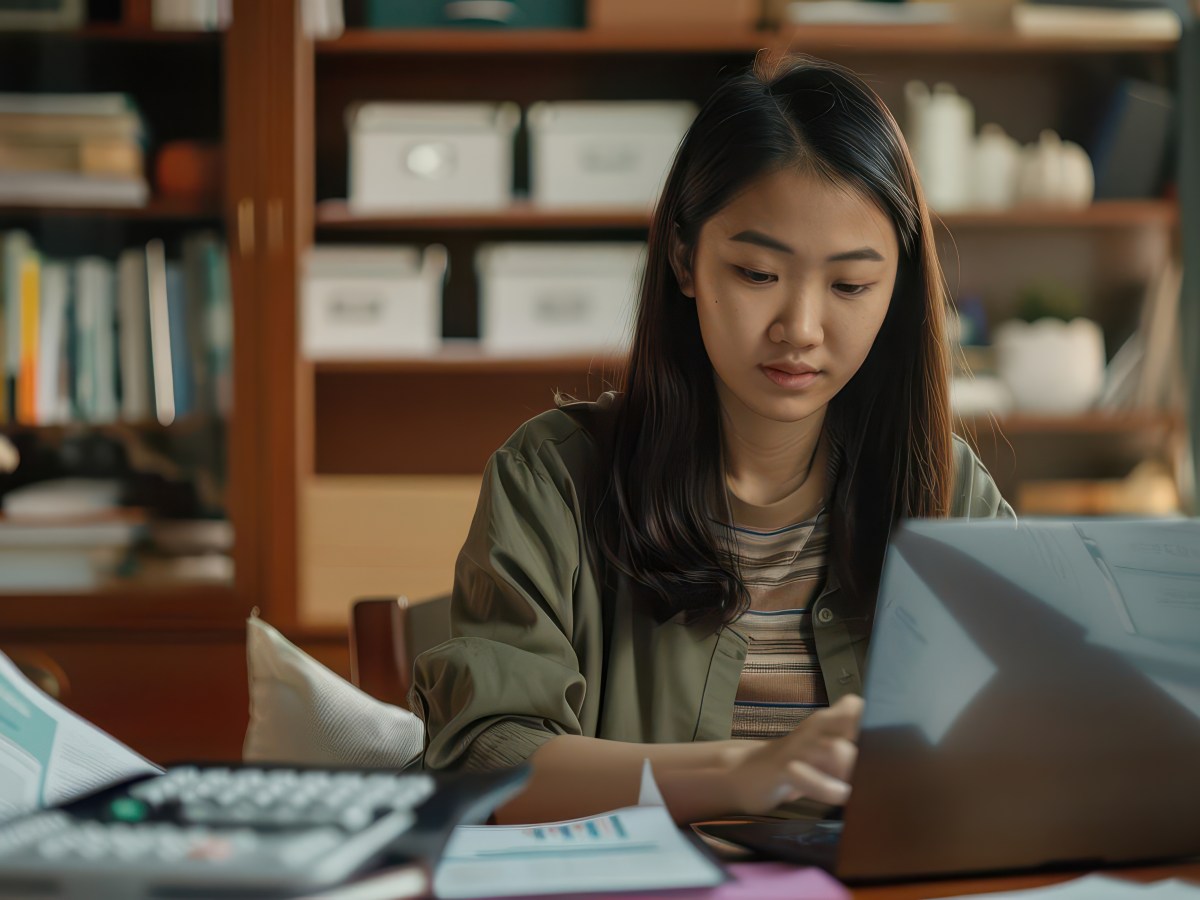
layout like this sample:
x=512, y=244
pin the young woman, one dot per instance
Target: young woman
x=685, y=571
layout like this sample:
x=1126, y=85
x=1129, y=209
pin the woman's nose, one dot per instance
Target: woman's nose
x=799, y=322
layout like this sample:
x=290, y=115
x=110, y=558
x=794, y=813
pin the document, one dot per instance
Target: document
x=637, y=848
x=49, y=755
x=1101, y=887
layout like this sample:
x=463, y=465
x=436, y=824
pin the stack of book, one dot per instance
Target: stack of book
x=95, y=340
x=65, y=535
x=71, y=150
x=1097, y=20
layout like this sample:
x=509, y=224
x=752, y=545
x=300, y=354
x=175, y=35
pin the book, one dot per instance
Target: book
x=95, y=284
x=102, y=272
x=1130, y=148
x=197, y=290
x=84, y=345
x=133, y=329
x=16, y=246
x=29, y=276
x=127, y=125
x=160, y=332
x=72, y=189
x=180, y=340
x=90, y=156
x=111, y=104
x=52, y=372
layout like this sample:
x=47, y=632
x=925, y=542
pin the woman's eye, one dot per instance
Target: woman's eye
x=755, y=277
x=851, y=290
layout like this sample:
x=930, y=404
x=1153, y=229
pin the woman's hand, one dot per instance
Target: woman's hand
x=813, y=761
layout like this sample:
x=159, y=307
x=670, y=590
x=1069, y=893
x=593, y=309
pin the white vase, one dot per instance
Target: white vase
x=941, y=124
x=1051, y=366
x=996, y=163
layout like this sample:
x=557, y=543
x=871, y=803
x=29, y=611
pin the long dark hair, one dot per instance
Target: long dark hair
x=889, y=429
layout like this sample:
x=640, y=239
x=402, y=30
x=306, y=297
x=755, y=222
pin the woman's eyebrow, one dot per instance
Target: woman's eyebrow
x=869, y=253
x=762, y=240
x=765, y=240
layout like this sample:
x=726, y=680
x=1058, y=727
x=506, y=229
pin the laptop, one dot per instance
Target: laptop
x=1032, y=700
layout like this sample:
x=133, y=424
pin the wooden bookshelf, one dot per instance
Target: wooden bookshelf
x=174, y=645
x=336, y=216
x=914, y=40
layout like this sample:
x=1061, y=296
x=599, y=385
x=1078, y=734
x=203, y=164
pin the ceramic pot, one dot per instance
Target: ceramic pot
x=1055, y=172
x=1051, y=366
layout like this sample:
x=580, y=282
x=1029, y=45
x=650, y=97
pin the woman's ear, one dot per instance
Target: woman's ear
x=681, y=263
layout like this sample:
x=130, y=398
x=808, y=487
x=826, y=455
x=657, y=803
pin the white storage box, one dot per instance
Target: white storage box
x=372, y=302
x=431, y=156
x=557, y=297
x=603, y=153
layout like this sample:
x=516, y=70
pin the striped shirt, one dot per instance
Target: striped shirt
x=784, y=570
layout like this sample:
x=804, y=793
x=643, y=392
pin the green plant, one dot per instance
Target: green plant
x=1048, y=299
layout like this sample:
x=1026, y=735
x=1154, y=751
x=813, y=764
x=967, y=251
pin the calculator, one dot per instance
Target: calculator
x=245, y=831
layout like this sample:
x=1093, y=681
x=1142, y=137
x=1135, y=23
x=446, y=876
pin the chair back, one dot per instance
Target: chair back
x=387, y=634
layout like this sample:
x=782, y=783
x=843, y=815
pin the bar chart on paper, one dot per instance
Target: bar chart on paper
x=638, y=848
x=586, y=832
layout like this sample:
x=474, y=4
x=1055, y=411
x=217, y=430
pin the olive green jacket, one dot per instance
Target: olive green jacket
x=541, y=647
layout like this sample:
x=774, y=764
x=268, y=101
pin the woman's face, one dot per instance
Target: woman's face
x=792, y=281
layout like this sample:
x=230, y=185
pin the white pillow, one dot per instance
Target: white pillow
x=304, y=714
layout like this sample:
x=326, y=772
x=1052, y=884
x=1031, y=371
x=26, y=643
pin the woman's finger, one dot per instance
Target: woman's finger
x=834, y=756
x=814, y=784
x=842, y=719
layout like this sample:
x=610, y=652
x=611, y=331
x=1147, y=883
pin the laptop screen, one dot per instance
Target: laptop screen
x=1032, y=697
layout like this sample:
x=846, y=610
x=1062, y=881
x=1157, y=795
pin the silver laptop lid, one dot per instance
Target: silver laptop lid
x=1032, y=697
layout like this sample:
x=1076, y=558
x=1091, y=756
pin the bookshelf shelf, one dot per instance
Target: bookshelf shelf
x=1102, y=214
x=470, y=360
x=546, y=41
x=953, y=40
x=192, y=423
x=116, y=32
x=335, y=216
x=1096, y=423
x=163, y=209
x=833, y=39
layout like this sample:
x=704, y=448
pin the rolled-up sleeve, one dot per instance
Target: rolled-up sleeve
x=508, y=680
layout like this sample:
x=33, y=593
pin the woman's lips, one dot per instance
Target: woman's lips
x=796, y=381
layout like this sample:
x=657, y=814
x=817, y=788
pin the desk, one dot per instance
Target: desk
x=955, y=888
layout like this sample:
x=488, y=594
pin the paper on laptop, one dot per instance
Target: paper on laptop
x=49, y=755
x=636, y=848
x=1101, y=887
